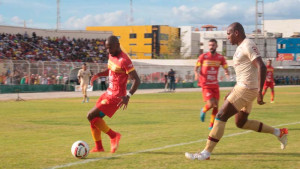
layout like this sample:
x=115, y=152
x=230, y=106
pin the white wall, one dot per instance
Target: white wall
x=205, y=36
x=190, y=42
x=286, y=27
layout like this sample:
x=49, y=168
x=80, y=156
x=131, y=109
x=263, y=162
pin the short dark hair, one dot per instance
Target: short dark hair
x=213, y=40
x=236, y=26
x=84, y=64
x=112, y=39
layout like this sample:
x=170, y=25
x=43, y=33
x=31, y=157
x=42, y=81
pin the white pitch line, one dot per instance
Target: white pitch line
x=158, y=148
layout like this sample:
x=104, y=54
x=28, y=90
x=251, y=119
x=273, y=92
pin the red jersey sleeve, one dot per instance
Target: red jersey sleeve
x=224, y=63
x=127, y=65
x=199, y=61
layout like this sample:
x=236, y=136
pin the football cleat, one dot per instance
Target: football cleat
x=196, y=156
x=283, y=137
x=202, y=115
x=95, y=150
x=114, y=143
x=87, y=99
x=272, y=102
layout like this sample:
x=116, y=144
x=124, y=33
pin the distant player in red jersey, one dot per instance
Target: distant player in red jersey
x=269, y=80
x=119, y=69
x=209, y=64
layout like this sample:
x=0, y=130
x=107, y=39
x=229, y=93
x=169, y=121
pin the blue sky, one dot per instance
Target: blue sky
x=77, y=14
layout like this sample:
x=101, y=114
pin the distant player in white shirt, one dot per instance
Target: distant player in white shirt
x=84, y=79
x=250, y=76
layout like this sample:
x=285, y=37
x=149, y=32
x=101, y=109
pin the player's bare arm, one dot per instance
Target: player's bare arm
x=135, y=84
x=262, y=71
x=196, y=72
x=96, y=76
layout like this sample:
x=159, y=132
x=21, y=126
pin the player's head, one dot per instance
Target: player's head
x=213, y=45
x=112, y=45
x=269, y=62
x=235, y=33
x=83, y=66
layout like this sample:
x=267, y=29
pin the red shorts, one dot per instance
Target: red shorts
x=108, y=104
x=269, y=84
x=209, y=93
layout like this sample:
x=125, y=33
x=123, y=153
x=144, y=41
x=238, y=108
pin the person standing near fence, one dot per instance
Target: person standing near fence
x=209, y=64
x=83, y=78
x=171, y=76
x=166, y=81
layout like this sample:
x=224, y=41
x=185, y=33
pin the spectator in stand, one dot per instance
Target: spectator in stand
x=287, y=80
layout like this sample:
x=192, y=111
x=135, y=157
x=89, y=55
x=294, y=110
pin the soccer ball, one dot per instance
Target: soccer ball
x=80, y=149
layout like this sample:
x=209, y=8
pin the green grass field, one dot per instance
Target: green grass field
x=39, y=134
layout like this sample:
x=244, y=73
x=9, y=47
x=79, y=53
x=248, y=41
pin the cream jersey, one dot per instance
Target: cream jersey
x=246, y=72
x=84, y=76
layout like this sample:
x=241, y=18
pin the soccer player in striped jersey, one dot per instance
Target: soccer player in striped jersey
x=209, y=64
x=269, y=83
x=119, y=69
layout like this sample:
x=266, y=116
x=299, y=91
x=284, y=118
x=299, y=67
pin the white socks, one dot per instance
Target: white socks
x=276, y=132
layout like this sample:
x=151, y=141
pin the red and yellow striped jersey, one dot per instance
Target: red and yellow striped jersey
x=209, y=69
x=270, y=73
x=119, y=67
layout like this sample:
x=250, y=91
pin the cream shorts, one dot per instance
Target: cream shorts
x=242, y=98
x=84, y=88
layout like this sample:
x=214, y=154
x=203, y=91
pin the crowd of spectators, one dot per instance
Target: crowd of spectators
x=287, y=80
x=38, y=48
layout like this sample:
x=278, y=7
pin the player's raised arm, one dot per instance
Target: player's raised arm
x=96, y=76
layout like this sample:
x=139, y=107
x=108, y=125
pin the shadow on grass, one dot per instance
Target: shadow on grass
x=260, y=153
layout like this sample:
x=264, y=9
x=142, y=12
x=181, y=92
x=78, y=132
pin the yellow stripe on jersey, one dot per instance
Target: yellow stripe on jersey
x=198, y=64
x=225, y=66
x=211, y=63
x=270, y=70
x=112, y=66
x=130, y=70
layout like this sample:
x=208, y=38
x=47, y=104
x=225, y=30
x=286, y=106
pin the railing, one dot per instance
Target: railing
x=14, y=72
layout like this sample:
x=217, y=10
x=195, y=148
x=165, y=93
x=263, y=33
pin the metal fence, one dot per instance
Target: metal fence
x=13, y=72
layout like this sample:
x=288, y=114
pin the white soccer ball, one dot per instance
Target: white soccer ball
x=80, y=149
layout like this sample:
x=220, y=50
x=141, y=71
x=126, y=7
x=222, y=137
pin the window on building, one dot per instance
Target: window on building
x=164, y=36
x=148, y=44
x=147, y=54
x=132, y=44
x=132, y=35
x=132, y=54
x=118, y=37
x=281, y=46
x=148, y=35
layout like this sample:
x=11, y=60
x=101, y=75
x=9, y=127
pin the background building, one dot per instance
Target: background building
x=288, y=27
x=288, y=49
x=190, y=42
x=146, y=41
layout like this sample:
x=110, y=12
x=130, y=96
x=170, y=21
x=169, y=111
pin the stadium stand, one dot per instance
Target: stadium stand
x=39, y=48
